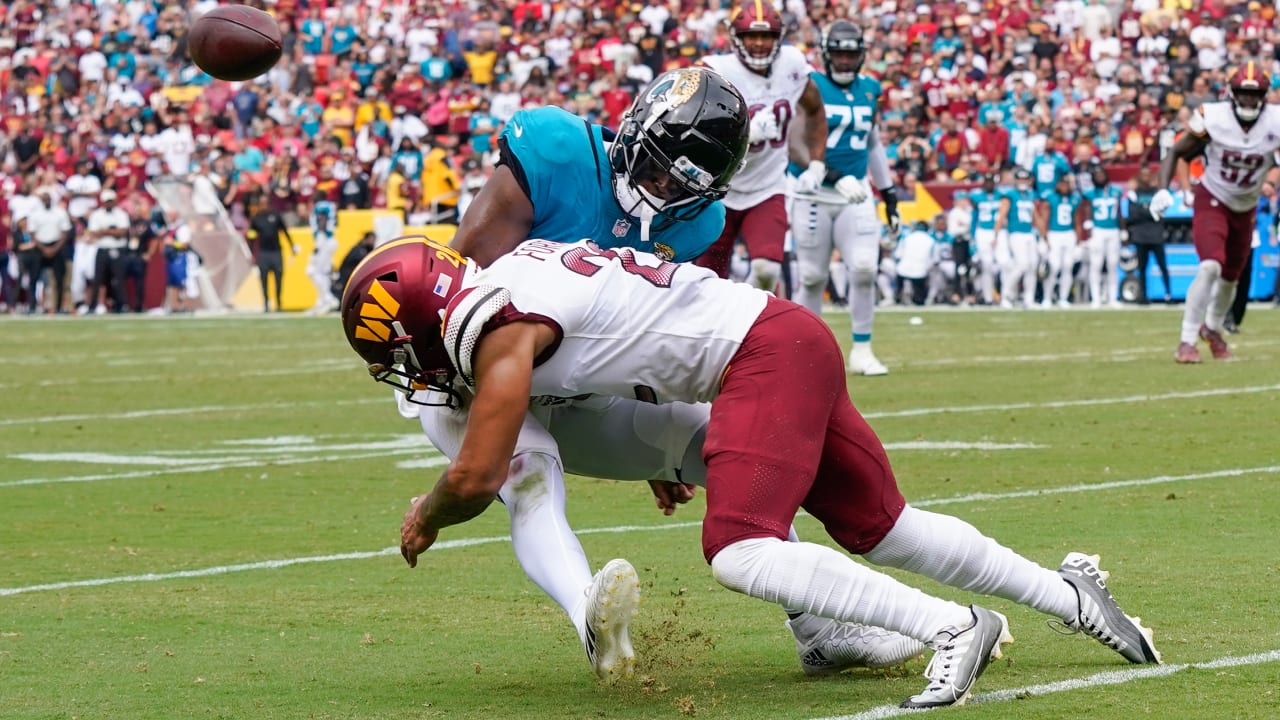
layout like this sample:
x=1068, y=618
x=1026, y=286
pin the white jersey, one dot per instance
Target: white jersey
x=1236, y=162
x=628, y=323
x=779, y=93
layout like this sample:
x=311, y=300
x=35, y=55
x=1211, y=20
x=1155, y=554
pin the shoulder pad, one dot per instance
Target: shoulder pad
x=468, y=312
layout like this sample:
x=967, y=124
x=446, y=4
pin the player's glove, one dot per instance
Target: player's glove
x=853, y=189
x=890, y=197
x=763, y=128
x=811, y=179
x=1160, y=203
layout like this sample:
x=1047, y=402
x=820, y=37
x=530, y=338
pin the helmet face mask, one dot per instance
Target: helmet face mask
x=755, y=31
x=1247, y=91
x=393, y=312
x=679, y=145
x=843, y=51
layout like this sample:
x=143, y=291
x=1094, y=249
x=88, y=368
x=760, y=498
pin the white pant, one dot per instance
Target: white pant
x=852, y=228
x=601, y=437
x=1062, y=246
x=84, y=261
x=1104, y=249
x=1023, y=260
x=320, y=267
x=986, y=247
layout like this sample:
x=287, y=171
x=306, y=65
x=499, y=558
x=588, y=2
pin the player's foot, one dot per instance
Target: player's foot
x=1217, y=344
x=1006, y=304
x=612, y=600
x=864, y=362
x=1187, y=354
x=1100, y=616
x=1230, y=327
x=961, y=654
x=1064, y=304
x=828, y=646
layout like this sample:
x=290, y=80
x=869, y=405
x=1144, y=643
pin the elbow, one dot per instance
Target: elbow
x=472, y=483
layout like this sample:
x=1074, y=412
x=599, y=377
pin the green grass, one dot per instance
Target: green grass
x=126, y=448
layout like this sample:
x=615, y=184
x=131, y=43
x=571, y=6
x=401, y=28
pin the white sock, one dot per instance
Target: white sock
x=1224, y=293
x=765, y=274
x=1199, y=296
x=953, y=552
x=819, y=580
x=544, y=544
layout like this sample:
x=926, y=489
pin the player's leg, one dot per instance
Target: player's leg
x=985, y=241
x=1027, y=261
x=1111, y=255
x=764, y=230
x=1097, y=248
x=857, y=234
x=811, y=230
x=1056, y=253
x=718, y=256
x=1210, y=227
x=1067, y=246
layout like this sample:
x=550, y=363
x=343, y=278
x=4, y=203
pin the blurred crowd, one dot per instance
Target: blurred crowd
x=398, y=103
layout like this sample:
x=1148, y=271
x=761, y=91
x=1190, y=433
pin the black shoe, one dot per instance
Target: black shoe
x=1230, y=326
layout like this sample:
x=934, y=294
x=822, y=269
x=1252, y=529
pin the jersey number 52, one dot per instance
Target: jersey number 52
x=1241, y=168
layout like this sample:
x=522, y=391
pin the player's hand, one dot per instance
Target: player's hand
x=414, y=537
x=853, y=189
x=763, y=128
x=1160, y=203
x=811, y=179
x=669, y=494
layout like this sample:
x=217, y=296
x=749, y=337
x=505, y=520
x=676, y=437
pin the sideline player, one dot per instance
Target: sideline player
x=987, y=207
x=655, y=188
x=1238, y=138
x=1104, y=238
x=558, y=319
x=1058, y=219
x=774, y=80
x=1017, y=234
x=841, y=212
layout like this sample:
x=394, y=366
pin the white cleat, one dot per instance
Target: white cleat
x=1099, y=615
x=864, y=362
x=827, y=646
x=960, y=656
x=612, y=601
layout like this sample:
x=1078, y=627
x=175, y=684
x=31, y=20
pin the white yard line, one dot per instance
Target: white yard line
x=959, y=445
x=212, y=466
x=1112, y=677
x=1084, y=402
x=915, y=412
x=444, y=545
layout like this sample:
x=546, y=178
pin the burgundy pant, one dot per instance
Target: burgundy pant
x=1221, y=234
x=763, y=228
x=784, y=435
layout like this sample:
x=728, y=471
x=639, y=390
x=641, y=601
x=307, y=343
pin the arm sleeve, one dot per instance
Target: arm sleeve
x=878, y=161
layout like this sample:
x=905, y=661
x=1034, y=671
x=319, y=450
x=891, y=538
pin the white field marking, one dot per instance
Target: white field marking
x=469, y=542
x=164, y=412
x=959, y=445
x=161, y=412
x=214, y=466
x=300, y=369
x=1111, y=677
x=1084, y=402
x=1124, y=355
x=100, y=458
x=185, y=457
x=276, y=564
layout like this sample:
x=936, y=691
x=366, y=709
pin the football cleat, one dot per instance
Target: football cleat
x=1217, y=343
x=1187, y=354
x=1100, y=616
x=827, y=646
x=864, y=362
x=961, y=654
x=612, y=600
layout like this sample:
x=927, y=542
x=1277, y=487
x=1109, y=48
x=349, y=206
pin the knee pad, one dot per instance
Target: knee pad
x=532, y=478
x=863, y=267
x=765, y=273
x=1212, y=269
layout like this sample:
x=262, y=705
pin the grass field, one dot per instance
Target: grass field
x=197, y=520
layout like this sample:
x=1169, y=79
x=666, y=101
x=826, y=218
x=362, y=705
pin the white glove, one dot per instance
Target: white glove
x=764, y=128
x=853, y=189
x=1160, y=203
x=811, y=179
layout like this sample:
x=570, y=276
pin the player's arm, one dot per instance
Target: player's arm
x=1042, y=218
x=498, y=219
x=503, y=377
x=815, y=123
x=1078, y=220
x=882, y=176
x=1188, y=147
x=1002, y=215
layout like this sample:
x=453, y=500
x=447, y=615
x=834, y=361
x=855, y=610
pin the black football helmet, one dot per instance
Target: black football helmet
x=843, y=51
x=688, y=130
x=393, y=312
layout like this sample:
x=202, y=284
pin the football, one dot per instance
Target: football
x=234, y=42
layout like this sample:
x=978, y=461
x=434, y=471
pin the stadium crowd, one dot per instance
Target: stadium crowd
x=398, y=103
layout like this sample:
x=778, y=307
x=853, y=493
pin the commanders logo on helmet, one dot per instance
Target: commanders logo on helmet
x=756, y=17
x=393, y=310
x=1247, y=91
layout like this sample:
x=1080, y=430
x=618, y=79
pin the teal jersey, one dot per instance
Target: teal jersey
x=1105, y=204
x=560, y=161
x=1062, y=210
x=986, y=208
x=1049, y=168
x=851, y=114
x=1022, y=211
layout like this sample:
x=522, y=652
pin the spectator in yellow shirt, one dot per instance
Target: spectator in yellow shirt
x=440, y=184
x=373, y=107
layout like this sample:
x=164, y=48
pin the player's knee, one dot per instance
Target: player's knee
x=530, y=477
x=1211, y=269
x=765, y=272
x=814, y=276
x=737, y=564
